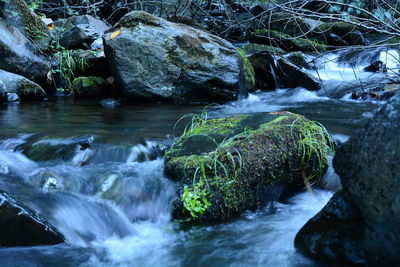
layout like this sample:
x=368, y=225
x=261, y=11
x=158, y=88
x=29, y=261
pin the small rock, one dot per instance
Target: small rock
x=3, y=93
x=81, y=36
x=377, y=66
x=13, y=97
x=109, y=103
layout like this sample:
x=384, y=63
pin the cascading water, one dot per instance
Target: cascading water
x=344, y=71
x=103, y=186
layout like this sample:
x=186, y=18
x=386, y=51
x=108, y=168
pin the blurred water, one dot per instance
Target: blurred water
x=111, y=200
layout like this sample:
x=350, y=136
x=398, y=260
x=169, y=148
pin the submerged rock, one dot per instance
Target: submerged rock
x=226, y=166
x=21, y=227
x=57, y=149
x=152, y=58
x=360, y=224
x=24, y=88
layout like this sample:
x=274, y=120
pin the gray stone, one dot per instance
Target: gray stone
x=273, y=71
x=98, y=25
x=13, y=97
x=18, y=55
x=80, y=36
x=152, y=58
x=24, y=88
x=369, y=171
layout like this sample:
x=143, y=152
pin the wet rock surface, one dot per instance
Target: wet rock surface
x=367, y=165
x=21, y=227
x=24, y=88
x=170, y=61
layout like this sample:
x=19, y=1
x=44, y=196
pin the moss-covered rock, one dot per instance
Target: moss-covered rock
x=229, y=165
x=338, y=28
x=286, y=42
x=88, y=87
x=18, y=14
x=154, y=59
x=255, y=48
x=24, y=88
x=247, y=72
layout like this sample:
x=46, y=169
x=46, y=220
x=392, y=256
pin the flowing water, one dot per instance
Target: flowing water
x=102, y=185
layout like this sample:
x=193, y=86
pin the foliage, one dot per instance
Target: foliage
x=315, y=143
x=248, y=69
x=195, y=199
x=33, y=5
x=70, y=62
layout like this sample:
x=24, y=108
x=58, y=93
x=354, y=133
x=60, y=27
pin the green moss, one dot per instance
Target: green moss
x=193, y=47
x=288, y=149
x=288, y=43
x=255, y=48
x=249, y=74
x=307, y=45
x=34, y=27
x=87, y=86
x=215, y=126
x=132, y=19
x=338, y=28
x=29, y=90
x=272, y=34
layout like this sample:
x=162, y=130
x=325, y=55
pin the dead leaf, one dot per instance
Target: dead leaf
x=115, y=34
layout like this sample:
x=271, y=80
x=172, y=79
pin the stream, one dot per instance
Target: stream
x=111, y=201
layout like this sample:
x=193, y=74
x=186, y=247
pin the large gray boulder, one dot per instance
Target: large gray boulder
x=18, y=55
x=360, y=225
x=152, y=58
x=24, y=88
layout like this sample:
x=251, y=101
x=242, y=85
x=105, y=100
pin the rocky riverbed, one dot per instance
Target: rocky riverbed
x=105, y=146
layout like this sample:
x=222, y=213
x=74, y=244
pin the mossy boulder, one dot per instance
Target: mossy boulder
x=18, y=14
x=286, y=42
x=18, y=55
x=248, y=78
x=338, y=28
x=229, y=165
x=255, y=48
x=289, y=24
x=24, y=88
x=339, y=34
x=89, y=87
x=155, y=59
